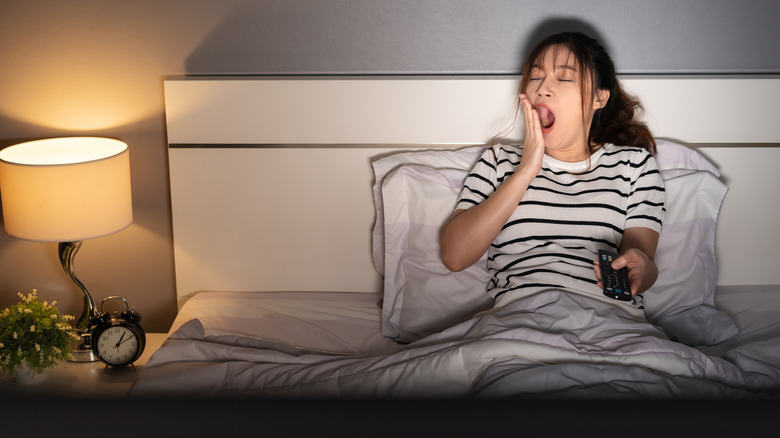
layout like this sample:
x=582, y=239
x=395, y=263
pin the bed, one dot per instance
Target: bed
x=306, y=212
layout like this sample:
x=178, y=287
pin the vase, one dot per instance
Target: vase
x=27, y=376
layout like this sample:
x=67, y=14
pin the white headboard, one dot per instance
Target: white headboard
x=271, y=176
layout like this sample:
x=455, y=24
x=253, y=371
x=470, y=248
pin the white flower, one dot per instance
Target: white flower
x=2, y=345
x=32, y=328
x=37, y=347
x=16, y=336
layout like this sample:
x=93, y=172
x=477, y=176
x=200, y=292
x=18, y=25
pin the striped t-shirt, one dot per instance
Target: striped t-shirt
x=568, y=213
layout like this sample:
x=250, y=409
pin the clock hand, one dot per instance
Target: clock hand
x=120, y=340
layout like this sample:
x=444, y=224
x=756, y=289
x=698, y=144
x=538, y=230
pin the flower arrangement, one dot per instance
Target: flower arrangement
x=34, y=333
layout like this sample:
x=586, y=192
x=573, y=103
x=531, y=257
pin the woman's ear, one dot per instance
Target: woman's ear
x=601, y=99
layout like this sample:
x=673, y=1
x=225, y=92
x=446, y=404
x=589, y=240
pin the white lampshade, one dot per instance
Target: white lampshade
x=66, y=189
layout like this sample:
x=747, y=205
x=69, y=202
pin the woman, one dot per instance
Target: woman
x=583, y=179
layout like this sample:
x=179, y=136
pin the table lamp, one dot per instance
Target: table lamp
x=66, y=190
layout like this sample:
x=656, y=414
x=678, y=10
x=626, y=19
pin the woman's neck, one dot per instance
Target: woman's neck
x=570, y=155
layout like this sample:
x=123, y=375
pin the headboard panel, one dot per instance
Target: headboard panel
x=273, y=219
x=271, y=176
x=340, y=111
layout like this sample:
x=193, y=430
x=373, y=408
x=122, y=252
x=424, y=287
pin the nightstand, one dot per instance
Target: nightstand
x=89, y=379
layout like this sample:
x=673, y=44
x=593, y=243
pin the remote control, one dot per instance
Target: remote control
x=616, y=284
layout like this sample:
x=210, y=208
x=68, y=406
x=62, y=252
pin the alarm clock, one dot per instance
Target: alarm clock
x=117, y=338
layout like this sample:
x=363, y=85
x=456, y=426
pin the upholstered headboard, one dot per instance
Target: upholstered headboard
x=271, y=176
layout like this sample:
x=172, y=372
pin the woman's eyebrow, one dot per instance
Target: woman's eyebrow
x=559, y=67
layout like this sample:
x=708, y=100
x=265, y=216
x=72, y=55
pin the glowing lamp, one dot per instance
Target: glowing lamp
x=67, y=190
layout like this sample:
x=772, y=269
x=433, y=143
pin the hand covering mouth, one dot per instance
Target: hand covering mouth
x=546, y=116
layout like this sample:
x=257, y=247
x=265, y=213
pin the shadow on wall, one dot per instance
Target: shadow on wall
x=556, y=25
x=332, y=38
x=380, y=38
x=325, y=39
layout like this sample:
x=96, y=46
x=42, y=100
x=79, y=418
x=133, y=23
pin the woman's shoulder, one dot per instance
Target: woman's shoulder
x=635, y=157
x=506, y=150
x=634, y=153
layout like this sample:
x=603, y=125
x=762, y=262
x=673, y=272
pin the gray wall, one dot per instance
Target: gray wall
x=488, y=36
x=82, y=67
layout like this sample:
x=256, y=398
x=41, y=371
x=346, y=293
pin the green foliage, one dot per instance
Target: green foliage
x=34, y=332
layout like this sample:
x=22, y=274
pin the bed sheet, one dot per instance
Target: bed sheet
x=332, y=322
x=756, y=311
x=556, y=345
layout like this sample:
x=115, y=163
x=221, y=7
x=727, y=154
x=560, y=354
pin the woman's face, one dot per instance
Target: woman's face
x=555, y=91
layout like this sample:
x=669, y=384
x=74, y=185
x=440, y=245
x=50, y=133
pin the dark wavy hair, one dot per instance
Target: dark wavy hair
x=618, y=121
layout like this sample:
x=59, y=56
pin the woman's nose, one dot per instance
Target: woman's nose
x=543, y=90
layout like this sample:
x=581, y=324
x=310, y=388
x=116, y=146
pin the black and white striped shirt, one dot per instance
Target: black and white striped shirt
x=568, y=213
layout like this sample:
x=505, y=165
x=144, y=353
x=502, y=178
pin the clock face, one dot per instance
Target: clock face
x=117, y=345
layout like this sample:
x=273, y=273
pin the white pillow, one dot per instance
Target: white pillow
x=682, y=301
x=675, y=160
x=413, y=203
x=421, y=296
x=463, y=159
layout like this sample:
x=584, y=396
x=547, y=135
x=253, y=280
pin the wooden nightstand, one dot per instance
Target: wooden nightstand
x=89, y=379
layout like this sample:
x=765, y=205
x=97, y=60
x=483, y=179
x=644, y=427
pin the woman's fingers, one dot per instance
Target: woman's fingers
x=637, y=264
x=533, y=146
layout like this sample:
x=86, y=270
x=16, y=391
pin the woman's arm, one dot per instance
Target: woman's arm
x=469, y=233
x=637, y=251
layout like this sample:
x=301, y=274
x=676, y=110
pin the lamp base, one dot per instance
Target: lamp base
x=83, y=356
x=82, y=350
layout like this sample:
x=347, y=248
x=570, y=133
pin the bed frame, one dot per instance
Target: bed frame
x=271, y=178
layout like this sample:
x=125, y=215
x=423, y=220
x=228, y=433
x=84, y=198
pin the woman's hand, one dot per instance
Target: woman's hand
x=642, y=271
x=469, y=233
x=533, y=146
x=637, y=253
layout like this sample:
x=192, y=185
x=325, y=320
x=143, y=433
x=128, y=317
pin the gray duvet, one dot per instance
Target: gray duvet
x=550, y=345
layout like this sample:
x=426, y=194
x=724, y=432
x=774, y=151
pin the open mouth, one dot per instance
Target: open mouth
x=546, y=118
